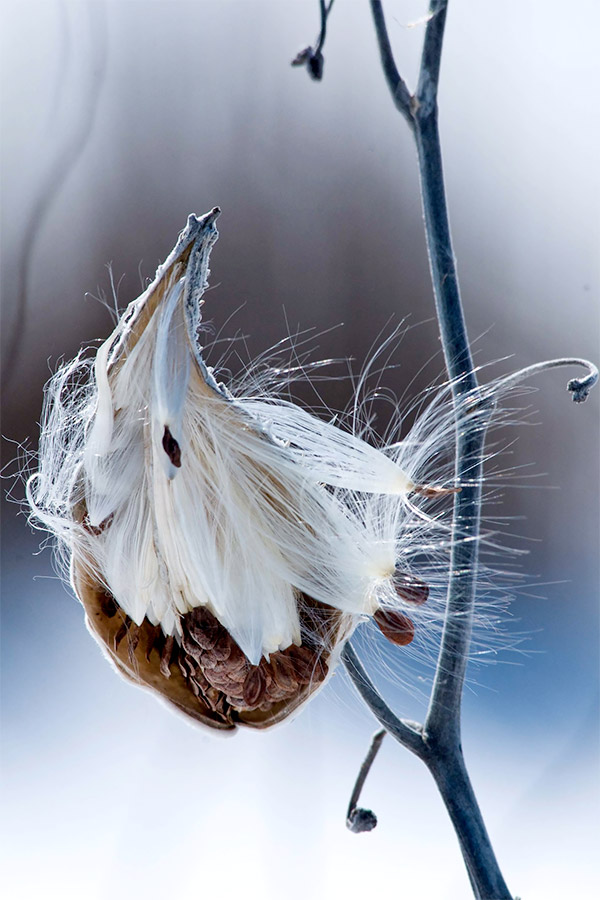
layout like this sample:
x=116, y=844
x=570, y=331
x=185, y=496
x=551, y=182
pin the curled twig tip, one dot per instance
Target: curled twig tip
x=361, y=820
x=580, y=387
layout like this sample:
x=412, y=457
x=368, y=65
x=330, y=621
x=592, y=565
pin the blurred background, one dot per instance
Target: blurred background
x=118, y=120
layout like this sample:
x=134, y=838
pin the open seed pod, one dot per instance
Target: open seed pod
x=221, y=543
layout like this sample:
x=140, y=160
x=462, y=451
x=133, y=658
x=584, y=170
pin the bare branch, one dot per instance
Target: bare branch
x=438, y=741
x=422, y=115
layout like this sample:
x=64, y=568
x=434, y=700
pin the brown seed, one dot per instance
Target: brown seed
x=191, y=647
x=221, y=669
x=171, y=448
x=283, y=673
x=267, y=671
x=202, y=627
x=223, y=647
x=96, y=530
x=397, y=627
x=430, y=490
x=208, y=662
x=237, y=662
x=227, y=685
x=410, y=588
x=304, y=664
x=254, y=687
x=222, y=706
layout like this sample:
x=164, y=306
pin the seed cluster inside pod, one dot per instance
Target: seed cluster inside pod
x=223, y=540
x=203, y=672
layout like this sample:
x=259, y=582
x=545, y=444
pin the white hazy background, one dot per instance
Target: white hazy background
x=119, y=119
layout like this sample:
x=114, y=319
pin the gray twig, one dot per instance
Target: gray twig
x=357, y=818
x=440, y=736
x=406, y=733
x=438, y=741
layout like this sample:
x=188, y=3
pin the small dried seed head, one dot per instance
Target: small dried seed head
x=361, y=820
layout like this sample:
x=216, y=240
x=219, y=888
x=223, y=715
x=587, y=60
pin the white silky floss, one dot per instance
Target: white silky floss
x=178, y=494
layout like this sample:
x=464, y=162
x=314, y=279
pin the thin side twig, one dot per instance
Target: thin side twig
x=398, y=89
x=579, y=387
x=359, y=819
x=313, y=58
x=406, y=733
x=324, y=10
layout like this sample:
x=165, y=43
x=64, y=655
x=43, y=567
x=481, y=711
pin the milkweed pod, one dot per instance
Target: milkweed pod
x=221, y=545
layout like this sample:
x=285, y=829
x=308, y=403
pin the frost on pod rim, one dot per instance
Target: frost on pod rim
x=223, y=546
